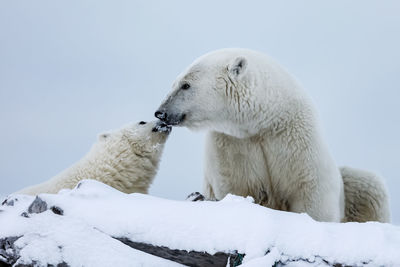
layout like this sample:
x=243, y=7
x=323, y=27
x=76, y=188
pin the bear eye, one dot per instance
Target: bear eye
x=142, y=122
x=185, y=86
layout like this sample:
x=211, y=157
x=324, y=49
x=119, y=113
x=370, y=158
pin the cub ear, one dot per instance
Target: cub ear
x=238, y=66
x=103, y=136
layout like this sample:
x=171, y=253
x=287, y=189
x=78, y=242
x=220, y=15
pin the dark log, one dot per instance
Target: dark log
x=188, y=258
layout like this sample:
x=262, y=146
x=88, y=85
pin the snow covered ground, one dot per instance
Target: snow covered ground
x=94, y=213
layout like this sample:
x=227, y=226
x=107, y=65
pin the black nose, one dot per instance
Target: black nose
x=142, y=122
x=160, y=115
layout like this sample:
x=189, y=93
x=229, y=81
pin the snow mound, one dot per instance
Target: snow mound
x=78, y=227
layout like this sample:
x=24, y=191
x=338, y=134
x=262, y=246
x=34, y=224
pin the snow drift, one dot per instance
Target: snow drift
x=81, y=227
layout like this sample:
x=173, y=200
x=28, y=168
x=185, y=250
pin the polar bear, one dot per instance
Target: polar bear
x=126, y=159
x=264, y=138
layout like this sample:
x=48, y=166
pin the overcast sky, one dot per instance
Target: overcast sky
x=72, y=69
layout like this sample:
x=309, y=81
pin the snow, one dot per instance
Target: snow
x=94, y=213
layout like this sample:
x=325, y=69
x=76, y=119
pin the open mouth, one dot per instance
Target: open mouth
x=162, y=127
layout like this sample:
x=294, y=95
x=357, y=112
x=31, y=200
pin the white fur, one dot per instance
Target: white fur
x=264, y=138
x=366, y=196
x=126, y=159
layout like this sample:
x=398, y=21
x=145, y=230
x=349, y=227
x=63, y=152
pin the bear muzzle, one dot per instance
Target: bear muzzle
x=170, y=119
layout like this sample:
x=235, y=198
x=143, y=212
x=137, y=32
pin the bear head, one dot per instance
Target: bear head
x=135, y=148
x=213, y=93
x=238, y=92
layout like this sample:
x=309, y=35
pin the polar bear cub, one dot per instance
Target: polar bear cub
x=126, y=159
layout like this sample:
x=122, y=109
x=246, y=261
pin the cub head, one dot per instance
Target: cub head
x=212, y=94
x=135, y=148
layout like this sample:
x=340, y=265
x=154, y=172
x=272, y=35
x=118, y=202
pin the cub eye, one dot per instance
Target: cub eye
x=185, y=86
x=142, y=122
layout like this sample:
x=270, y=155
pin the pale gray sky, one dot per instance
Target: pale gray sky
x=71, y=69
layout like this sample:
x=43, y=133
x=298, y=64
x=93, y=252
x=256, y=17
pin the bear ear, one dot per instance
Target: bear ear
x=103, y=136
x=238, y=66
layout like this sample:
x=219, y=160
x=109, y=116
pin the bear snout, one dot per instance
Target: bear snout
x=170, y=119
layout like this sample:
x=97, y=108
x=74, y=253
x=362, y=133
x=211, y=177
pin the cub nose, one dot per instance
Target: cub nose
x=160, y=115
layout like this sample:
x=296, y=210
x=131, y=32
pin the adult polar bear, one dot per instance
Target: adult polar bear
x=265, y=140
